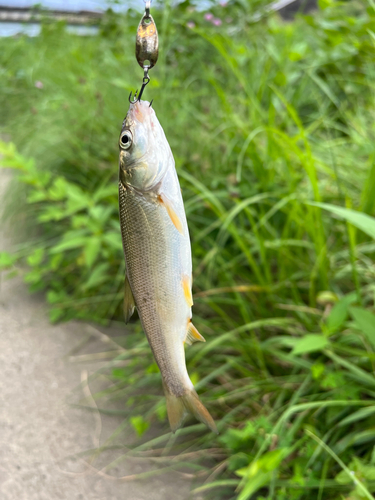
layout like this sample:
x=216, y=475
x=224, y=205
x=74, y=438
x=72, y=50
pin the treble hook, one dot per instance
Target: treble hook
x=145, y=81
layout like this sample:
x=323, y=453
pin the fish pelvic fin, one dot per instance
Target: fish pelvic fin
x=129, y=303
x=179, y=406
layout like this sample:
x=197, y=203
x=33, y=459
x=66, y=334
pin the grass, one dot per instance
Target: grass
x=266, y=121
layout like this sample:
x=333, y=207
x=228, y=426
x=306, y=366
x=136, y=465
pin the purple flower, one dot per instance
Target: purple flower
x=223, y=3
x=38, y=84
x=190, y=25
x=217, y=21
x=208, y=16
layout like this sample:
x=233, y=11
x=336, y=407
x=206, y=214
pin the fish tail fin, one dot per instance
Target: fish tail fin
x=178, y=407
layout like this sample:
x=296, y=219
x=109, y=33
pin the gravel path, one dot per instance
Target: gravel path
x=38, y=430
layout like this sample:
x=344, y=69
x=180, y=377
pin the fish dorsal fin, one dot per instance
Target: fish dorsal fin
x=129, y=303
x=171, y=212
x=186, y=285
x=192, y=335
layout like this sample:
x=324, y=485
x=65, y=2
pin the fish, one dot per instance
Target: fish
x=157, y=252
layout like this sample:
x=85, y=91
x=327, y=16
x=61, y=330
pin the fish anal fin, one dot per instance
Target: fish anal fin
x=171, y=212
x=192, y=335
x=129, y=303
x=186, y=285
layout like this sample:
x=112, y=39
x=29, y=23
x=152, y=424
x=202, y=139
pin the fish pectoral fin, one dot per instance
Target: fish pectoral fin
x=192, y=335
x=171, y=212
x=129, y=303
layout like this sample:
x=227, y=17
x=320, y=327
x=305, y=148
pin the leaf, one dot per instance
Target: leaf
x=369, y=472
x=358, y=415
x=34, y=276
x=105, y=191
x=235, y=439
x=343, y=477
x=37, y=196
x=194, y=377
x=36, y=257
x=310, y=343
x=153, y=368
x=54, y=212
x=91, y=250
x=69, y=244
x=71, y=239
x=357, y=469
x=360, y=220
x=260, y=472
x=119, y=373
x=365, y=321
x=55, y=261
x=139, y=424
x=339, y=313
x=161, y=411
x=113, y=239
x=54, y=297
x=317, y=370
x=77, y=198
x=6, y=260
x=96, y=276
x=101, y=212
x=55, y=314
x=58, y=189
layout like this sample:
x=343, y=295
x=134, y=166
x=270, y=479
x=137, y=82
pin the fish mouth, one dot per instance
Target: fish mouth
x=140, y=111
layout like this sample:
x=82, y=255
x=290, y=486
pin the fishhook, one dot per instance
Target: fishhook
x=135, y=97
x=145, y=81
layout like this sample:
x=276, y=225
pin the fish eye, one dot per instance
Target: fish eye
x=126, y=139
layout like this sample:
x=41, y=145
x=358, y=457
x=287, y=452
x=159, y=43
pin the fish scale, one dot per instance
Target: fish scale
x=153, y=284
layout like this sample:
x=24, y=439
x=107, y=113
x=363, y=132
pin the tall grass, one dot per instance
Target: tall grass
x=266, y=120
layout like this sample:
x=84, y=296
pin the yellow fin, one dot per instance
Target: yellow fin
x=129, y=303
x=176, y=410
x=192, y=335
x=178, y=407
x=171, y=212
x=187, y=290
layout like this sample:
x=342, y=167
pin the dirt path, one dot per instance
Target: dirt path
x=38, y=431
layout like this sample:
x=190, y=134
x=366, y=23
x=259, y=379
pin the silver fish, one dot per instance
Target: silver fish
x=157, y=252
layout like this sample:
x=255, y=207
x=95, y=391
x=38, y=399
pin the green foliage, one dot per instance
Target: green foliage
x=83, y=239
x=139, y=424
x=365, y=322
x=272, y=129
x=310, y=343
x=358, y=219
x=6, y=260
x=259, y=473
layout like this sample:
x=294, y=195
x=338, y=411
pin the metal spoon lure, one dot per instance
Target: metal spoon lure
x=146, y=49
